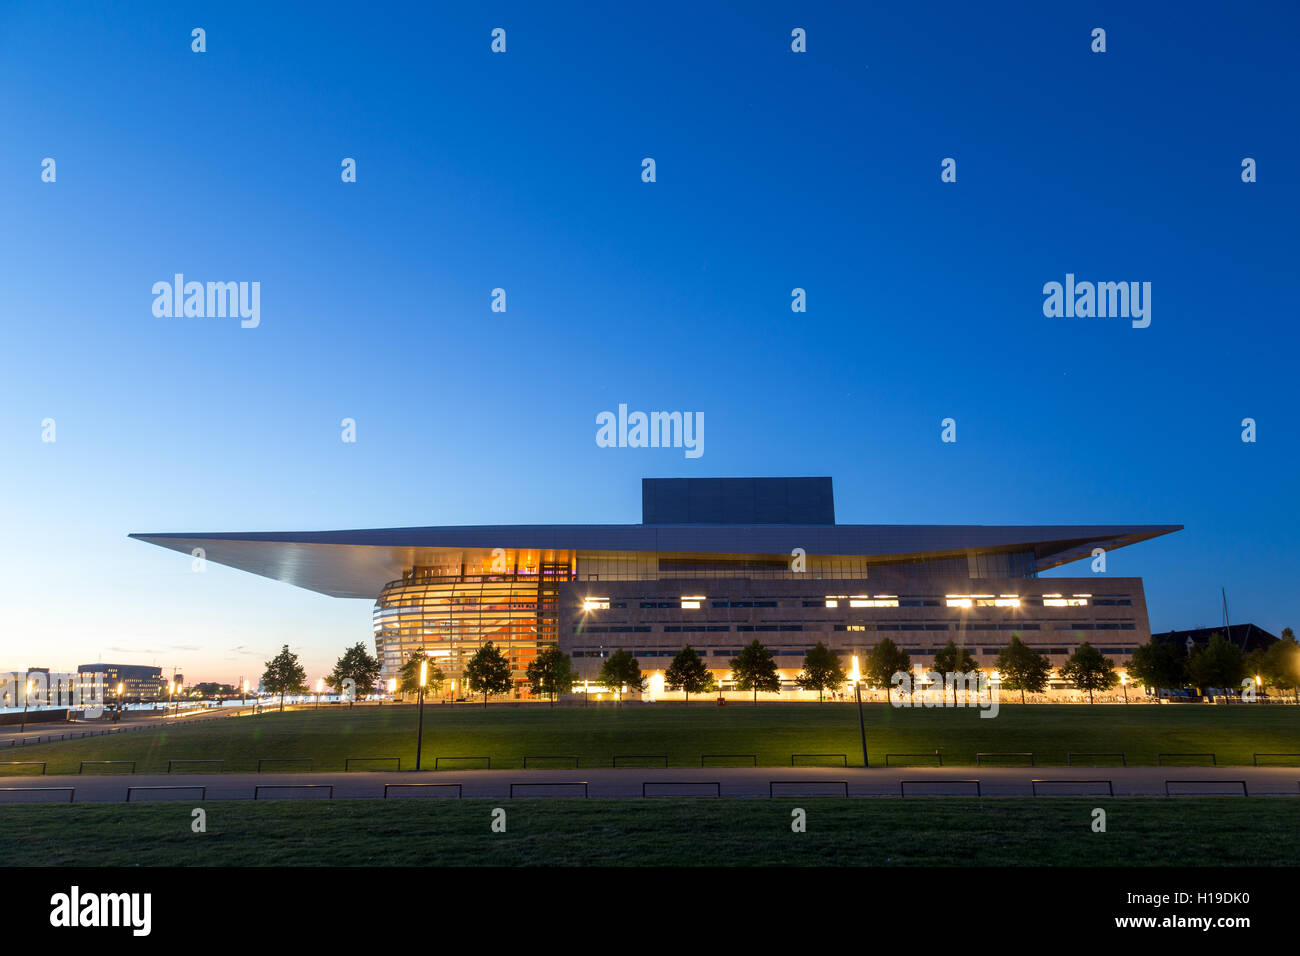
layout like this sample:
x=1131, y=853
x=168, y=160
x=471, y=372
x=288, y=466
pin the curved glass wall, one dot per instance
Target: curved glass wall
x=451, y=616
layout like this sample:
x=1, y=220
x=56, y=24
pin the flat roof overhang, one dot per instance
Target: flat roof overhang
x=358, y=563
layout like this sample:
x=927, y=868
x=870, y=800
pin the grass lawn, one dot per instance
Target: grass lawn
x=772, y=732
x=858, y=832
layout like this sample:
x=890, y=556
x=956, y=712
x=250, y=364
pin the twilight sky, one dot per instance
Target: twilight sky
x=522, y=171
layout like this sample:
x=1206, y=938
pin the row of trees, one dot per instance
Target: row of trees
x=1220, y=664
x=1156, y=665
x=357, y=669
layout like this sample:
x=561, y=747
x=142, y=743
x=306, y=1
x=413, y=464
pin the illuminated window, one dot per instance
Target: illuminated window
x=1065, y=602
x=832, y=603
x=954, y=601
x=880, y=600
x=595, y=604
x=692, y=603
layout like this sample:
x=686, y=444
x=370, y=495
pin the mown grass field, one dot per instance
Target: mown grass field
x=859, y=832
x=773, y=733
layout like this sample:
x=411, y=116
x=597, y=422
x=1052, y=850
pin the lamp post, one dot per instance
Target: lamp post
x=120, y=688
x=27, y=694
x=856, y=677
x=1123, y=682
x=171, y=696
x=419, y=733
x=243, y=697
x=1259, y=689
x=320, y=686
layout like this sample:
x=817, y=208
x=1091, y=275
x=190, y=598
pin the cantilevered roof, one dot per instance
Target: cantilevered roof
x=357, y=564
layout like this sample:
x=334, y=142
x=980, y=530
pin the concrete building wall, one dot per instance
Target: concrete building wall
x=1054, y=615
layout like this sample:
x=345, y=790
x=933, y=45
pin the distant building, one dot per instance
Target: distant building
x=1248, y=637
x=139, y=681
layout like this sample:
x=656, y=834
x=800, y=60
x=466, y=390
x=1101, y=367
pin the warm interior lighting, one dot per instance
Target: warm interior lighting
x=595, y=604
x=692, y=602
x=831, y=603
x=959, y=602
x=878, y=601
x=1065, y=602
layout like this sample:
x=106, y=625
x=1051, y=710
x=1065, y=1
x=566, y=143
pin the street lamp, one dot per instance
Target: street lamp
x=856, y=676
x=1259, y=689
x=243, y=697
x=171, y=695
x=320, y=686
x=1123, y=682
x=27, y=694
x=419, y=733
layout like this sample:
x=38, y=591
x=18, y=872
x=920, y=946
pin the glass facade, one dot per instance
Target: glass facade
x=450, y=616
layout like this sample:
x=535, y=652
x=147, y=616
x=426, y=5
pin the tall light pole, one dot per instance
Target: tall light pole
x=243, y=697
x=419, y=734
x=320, y=686
x=856, y=676
x=1123, y=682
x=1259, y=689
x=27, y=694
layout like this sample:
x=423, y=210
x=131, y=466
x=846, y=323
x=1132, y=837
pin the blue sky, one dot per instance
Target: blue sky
x=522, y=170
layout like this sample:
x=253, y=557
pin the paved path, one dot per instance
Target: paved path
x=679, y=782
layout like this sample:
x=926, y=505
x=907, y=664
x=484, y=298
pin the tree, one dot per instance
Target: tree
x=883, y=662
x=358, y=666
x=688, y=672
x=822, y=670
x=1159, y=664
x=755, y=669
x=284, y=675
x=1219, y=664
x=551, y=673
x=488, y=672
x=1281, y=667
x=951, y=659
x=1088, y=670
x=621, y=670
x=1022, y=668
x=408, y=678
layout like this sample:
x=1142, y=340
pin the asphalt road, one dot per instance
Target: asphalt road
x=659, y=782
